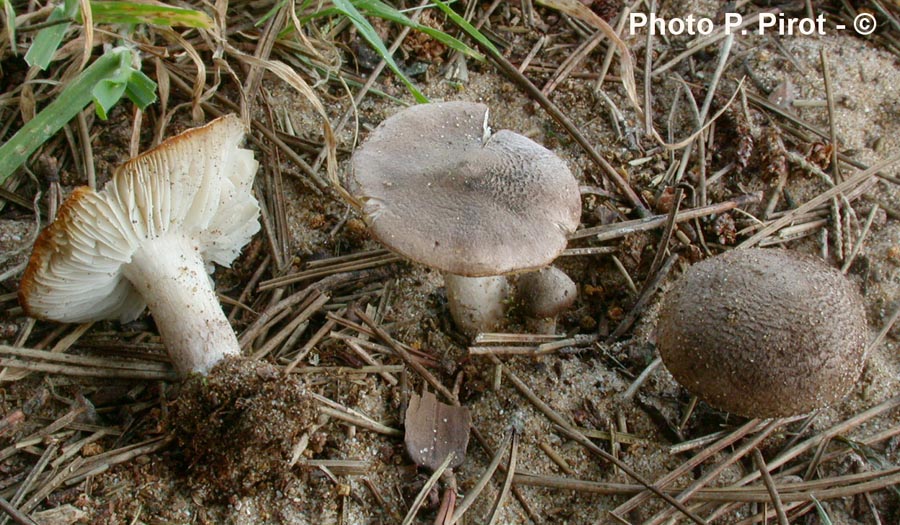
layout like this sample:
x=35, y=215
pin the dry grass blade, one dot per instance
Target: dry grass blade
x=323, y=271
x=626, y=64
x=32, y=477
x=663, y=247
x=82, y=371
x=62, y=422
x=482, y=482
x=823, y=197
x=339, y=467
x=86, y=361
x=813, y=442
x=645, y=374
x=862, y=237
x=407, y=358
x=712, y=473
x=13, y=374
x=644, y=297
x=507, y=482
x=273, y=342
x=339, y=411
x=687, y=466
x=830, y=488
x=885, y=329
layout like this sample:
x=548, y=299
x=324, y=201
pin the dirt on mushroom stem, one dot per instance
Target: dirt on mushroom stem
x=238, y=426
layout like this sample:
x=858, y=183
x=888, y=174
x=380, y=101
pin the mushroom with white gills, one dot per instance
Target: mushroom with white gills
x=442, y=190
x=544, y=295
x=148, y=239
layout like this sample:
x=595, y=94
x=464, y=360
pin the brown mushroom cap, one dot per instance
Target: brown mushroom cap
x=764, y=332
x=441, y=190
x=546, y=293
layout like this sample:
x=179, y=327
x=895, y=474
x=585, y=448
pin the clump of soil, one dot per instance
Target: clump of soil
x=238, y=425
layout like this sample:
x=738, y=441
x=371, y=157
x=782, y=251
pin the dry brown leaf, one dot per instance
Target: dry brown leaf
x=434, y=430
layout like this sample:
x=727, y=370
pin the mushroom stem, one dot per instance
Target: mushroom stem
x=170, y=275
x=477, y=304
x=542, y=325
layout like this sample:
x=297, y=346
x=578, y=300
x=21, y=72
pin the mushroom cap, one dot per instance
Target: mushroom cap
x=764, y=332
x=546, y=293
x=196, y=184
x=440, y=189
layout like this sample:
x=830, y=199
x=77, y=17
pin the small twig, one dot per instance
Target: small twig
x=645, y=374
x=770, y=486
x=18, y=516
x=614, y=231
x=650, y=287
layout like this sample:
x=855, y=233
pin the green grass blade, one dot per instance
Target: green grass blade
x=74, y=98
x=153, y=14
x=820, y=510
x=269, y=14
x=381, y=10
x=140, y=89
x=106, y=93
x=466, y=26
x=10, y=15
x=368, y=33
x=48, y=39
x=125, y=81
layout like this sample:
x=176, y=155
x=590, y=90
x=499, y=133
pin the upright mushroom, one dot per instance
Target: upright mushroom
x=440, y=189
x=763, y=333
x=148, y=239
x=544, y=295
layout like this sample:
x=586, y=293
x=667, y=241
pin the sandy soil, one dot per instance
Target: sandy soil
x=250, y=482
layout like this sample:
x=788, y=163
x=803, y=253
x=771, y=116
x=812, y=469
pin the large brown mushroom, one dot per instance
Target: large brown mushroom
x=764, y=332
x=442, y=190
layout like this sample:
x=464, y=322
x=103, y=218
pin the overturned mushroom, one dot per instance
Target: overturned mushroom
x=149, y=238
x=763, y=333
x=439, y=188
x=544, y=295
